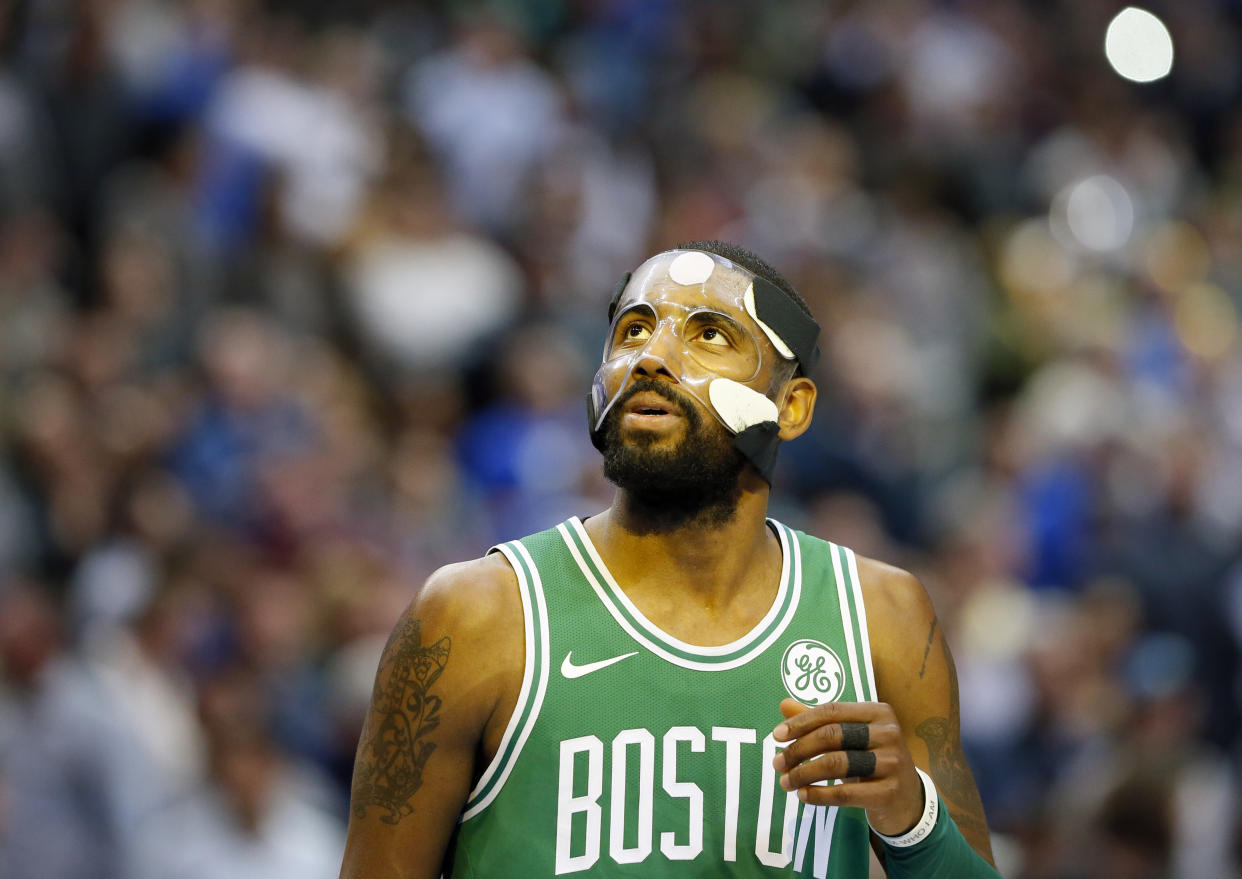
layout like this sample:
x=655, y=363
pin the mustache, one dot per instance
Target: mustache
x=675, y=397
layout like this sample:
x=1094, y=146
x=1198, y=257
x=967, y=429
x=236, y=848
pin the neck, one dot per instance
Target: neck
x=710, y=556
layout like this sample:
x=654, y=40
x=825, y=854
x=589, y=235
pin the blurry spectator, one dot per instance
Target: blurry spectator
x=425, y=291
x=171, y=57
x=1134, y=830
x=296, y=115
x=955, y=74
x=34, y=306
x=490, y=114
x=808, y=202
x=1156, y=802
x=23, y=173
x=435, y=511
x=252, y=818
x=246, y=416
x=74, y=783
x=60, y=464
x=278, y=634
x=587, y=218
x=142, y=292
x=141, y=666
x=18, y=545
x=528, y=452
x=80, y=123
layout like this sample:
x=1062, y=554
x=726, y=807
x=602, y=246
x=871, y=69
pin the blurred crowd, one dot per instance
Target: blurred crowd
x=299, y=300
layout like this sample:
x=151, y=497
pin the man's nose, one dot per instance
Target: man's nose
x=662, y=354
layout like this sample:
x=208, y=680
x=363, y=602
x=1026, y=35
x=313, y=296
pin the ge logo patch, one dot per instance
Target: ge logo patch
x=812, y=672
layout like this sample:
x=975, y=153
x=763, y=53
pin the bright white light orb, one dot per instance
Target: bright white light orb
x=1096, y=214
x=1138, y=45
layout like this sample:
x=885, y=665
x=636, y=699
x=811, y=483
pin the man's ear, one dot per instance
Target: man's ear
x=797, y=408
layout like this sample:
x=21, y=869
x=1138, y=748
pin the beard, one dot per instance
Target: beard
x=694, y=483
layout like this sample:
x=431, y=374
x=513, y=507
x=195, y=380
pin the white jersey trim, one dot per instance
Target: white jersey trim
x=863, y=632
x=847, y=622
x=533, y=680
x=650, y=635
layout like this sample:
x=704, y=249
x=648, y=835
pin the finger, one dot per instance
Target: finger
x=820, y=740
x=855, y=736
x=846, y=736
x=832, y=712
x=864, y=794
x=859, y=764
x=840, y=765
x=825, y=768
x=792, y=707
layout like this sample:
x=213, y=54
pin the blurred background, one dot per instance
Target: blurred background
x=299, y=300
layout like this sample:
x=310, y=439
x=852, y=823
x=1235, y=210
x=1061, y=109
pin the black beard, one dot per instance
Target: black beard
x=697, y=483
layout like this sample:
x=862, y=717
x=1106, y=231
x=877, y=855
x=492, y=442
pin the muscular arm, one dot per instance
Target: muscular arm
x=439, y=703
x=915, y=674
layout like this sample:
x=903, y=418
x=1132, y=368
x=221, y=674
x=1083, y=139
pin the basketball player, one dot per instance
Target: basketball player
x=677, y=686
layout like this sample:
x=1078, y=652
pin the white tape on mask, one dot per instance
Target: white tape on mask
x=738, y=406
x=691, y=267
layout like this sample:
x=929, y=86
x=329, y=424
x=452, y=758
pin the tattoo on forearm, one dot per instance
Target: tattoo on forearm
x=394, y=751
x=948, y=763
x=931, y=634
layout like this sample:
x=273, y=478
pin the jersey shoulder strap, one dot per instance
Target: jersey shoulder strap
x=521, y=555
x=831, y=575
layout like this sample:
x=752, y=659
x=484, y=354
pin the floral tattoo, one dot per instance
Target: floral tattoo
x=394, y=749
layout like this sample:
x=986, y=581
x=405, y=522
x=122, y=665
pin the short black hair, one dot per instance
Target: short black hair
x=753, y=263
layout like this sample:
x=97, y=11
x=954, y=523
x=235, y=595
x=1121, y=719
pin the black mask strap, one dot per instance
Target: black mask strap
x=796, y=328
x=760, y=443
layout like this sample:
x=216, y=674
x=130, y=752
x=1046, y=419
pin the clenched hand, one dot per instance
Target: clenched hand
x=860, y=743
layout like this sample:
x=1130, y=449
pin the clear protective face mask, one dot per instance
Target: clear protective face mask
x=691, y=316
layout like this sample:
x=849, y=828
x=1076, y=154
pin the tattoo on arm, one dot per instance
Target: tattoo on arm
x=931, y=634
x=948, y=763
x=394, y=751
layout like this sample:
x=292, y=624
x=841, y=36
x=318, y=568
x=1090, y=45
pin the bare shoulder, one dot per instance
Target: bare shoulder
x=461, y=638
x=445, y=672
x=896, y=600
x=474, y=609
x=902, y=627
x=479, y=595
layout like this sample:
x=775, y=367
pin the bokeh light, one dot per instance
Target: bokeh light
x=1095, y=213
x=1176, y=255
x=1138, y=45
x=1032, y=261
x=1206, y=321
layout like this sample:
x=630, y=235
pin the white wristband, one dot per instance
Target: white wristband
x=931, y=811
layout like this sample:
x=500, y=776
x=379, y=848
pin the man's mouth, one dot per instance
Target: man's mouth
x=650, y=414
x=650, y=403
x=650, y=409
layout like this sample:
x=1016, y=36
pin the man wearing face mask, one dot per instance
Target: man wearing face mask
x=679, y=685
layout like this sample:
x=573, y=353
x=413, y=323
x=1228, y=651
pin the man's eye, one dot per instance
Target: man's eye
x=713, y=335
x=633, y=331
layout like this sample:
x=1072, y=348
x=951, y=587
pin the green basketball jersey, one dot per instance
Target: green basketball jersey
x=633, y=754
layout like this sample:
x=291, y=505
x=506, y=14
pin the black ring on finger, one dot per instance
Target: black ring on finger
x=860, y=764
x=855, y=736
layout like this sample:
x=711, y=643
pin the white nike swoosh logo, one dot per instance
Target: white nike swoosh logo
x=571, y=670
